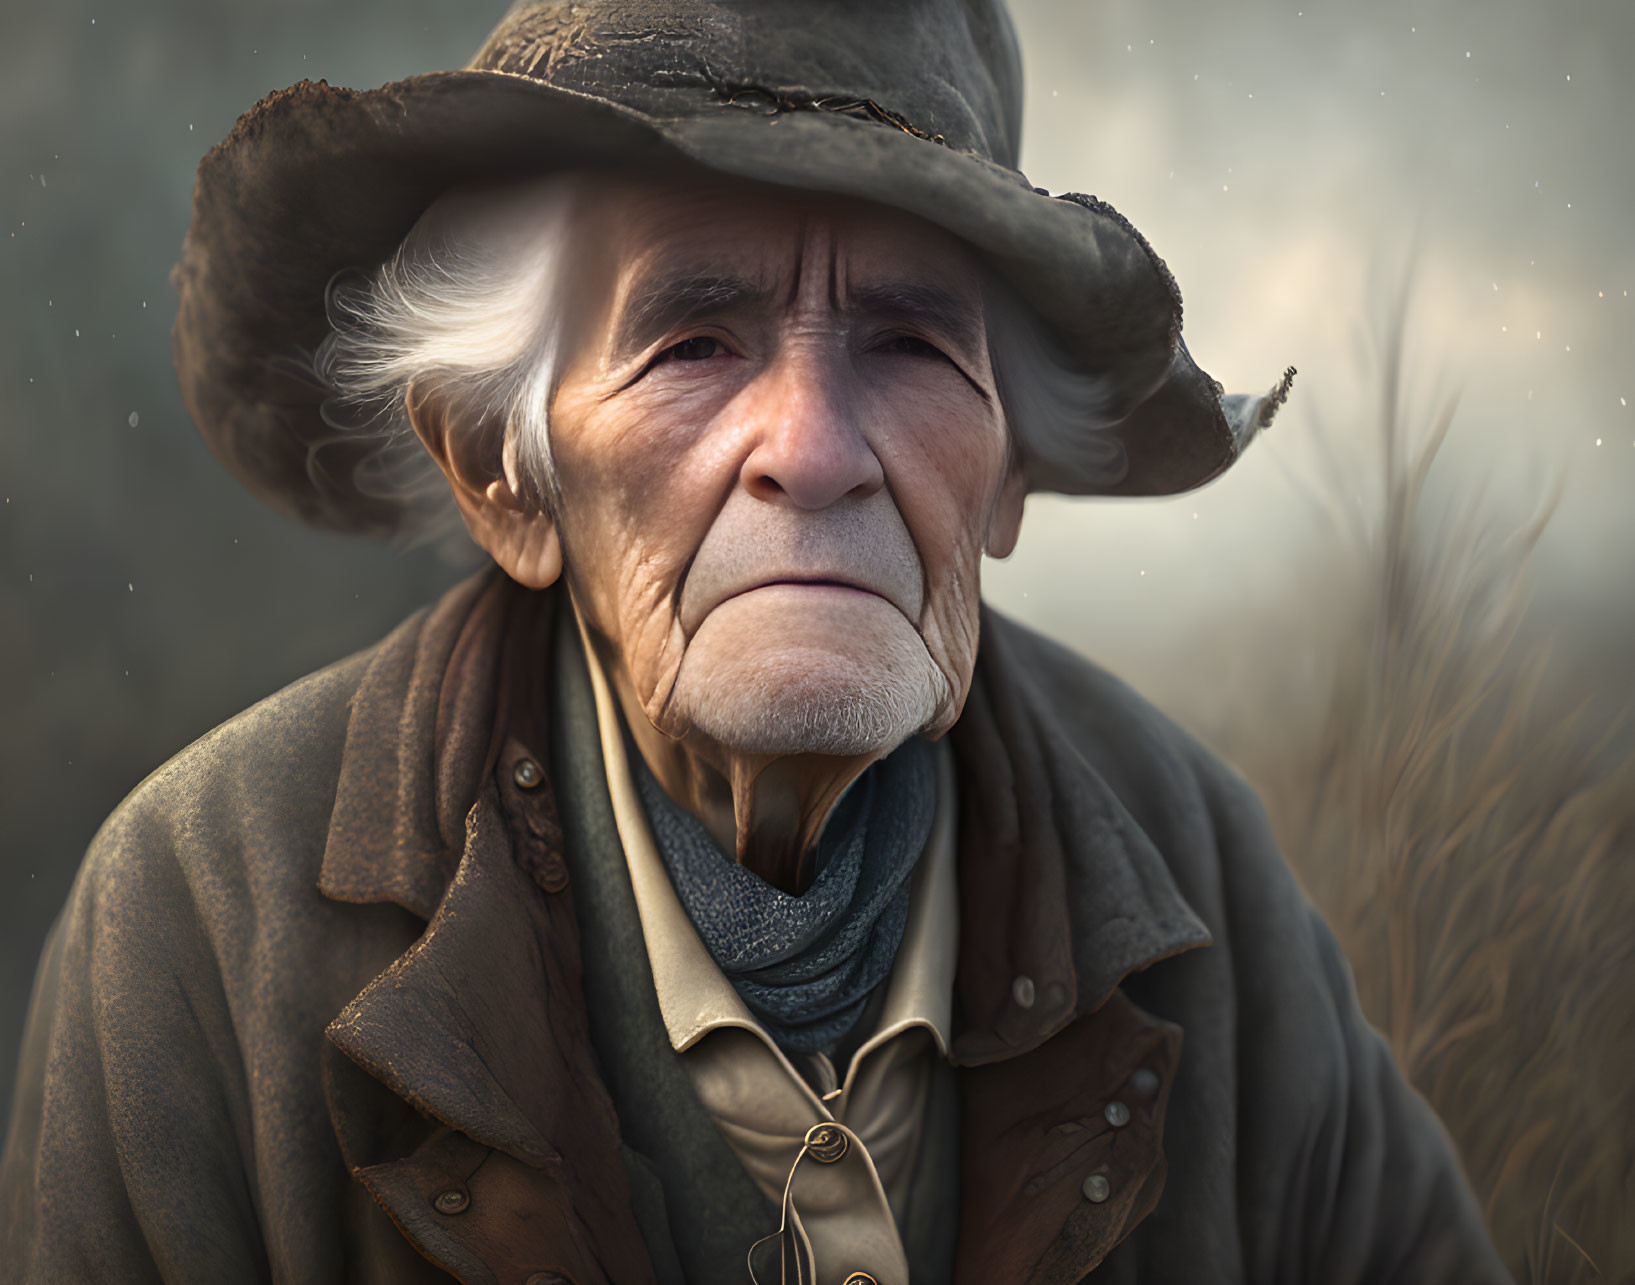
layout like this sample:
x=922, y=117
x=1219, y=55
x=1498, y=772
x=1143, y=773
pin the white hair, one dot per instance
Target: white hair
x=474, y=304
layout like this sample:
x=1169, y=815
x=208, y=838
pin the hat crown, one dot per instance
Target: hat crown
x=947, y=70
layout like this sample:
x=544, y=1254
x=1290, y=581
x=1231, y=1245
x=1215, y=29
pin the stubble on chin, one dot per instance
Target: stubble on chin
x=868, y=699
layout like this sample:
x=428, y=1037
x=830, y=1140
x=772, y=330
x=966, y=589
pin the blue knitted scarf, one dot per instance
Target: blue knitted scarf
x=806, y=965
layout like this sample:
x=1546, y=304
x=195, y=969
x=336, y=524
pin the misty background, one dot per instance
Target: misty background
x=1293, y=163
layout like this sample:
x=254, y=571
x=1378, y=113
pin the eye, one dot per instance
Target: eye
x=913, y=346
x=698, y=348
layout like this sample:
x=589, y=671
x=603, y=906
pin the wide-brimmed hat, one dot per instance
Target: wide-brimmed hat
x=914, y=104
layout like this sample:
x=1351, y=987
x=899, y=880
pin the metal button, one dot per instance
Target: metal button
x=826, y=1142
x=860, y=1278
x=1144, y=1083
x=1118, y=1115
x=1096, y=1188
x=527, y=774
x=1022, y=991
x=452, y=1201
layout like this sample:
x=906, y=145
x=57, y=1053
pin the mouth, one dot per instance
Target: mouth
x=838, y=559
x=807, y=582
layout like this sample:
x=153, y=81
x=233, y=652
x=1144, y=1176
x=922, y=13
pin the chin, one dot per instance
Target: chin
x=807, y=673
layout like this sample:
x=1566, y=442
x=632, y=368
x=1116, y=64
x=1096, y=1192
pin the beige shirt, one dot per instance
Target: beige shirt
x=839, y=1211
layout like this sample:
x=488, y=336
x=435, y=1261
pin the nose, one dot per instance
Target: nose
x=809, y=448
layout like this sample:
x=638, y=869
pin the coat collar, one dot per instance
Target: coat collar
x=1062, y=894
x=421, y=737
x=422, y=819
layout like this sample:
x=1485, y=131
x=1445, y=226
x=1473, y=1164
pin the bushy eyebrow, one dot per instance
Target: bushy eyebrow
x=670, y=301
x=920, y=303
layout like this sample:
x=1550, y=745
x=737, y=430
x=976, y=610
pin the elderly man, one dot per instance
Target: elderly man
x=711, y=890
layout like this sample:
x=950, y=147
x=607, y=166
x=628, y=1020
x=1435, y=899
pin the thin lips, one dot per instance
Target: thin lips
x=798, y=578
x=838, y=582
x=857, y=544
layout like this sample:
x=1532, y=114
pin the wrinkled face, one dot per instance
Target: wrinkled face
x=780, y=455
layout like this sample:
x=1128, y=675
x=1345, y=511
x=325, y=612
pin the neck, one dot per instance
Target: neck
x=764, y=811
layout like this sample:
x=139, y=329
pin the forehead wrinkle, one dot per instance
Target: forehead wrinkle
x=803, y=230
x=835, y=269
x=819, y=267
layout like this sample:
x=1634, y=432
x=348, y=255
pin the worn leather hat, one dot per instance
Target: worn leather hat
x=914, y=104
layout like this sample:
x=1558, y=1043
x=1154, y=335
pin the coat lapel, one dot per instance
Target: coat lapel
x=1062, y=895
x=445, y=1026
x=480, y=1026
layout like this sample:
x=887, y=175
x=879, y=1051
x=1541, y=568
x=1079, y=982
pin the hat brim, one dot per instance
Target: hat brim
x=315, y=179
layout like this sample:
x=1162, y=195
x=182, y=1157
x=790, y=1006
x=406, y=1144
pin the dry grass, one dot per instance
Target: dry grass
x=1472, y=846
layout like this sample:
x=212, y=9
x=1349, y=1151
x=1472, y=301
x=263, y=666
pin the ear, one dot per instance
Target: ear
x=480, y=464
x=1005, y=518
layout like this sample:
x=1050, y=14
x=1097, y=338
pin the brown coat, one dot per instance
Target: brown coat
x=314, y=1005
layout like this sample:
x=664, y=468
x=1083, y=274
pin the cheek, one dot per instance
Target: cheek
x=944, y=462
x=944, y=457
x=638, y=494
